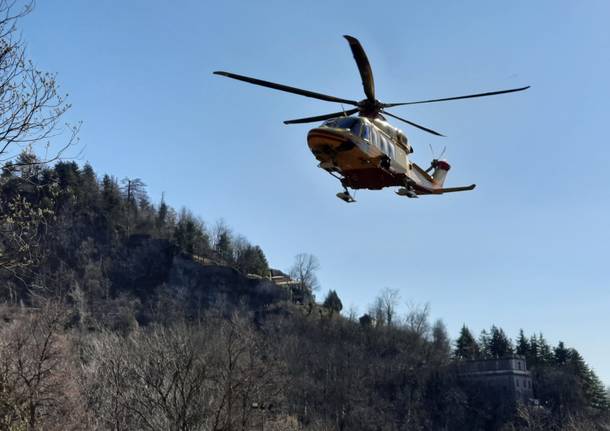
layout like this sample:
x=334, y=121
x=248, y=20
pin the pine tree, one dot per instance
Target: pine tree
x=133, y=192
x=560, y=354
x=111, y=201
x=499, y=344
x=441, y=345
x=27, y=165
x=88, y=189
x=523, y=346
x=366, y=321
x=593, y=388
x=68, y=175
x=332, y=302
x=545, y=353
x=260, y=265
x=484, y=341
x=534, y=352
x=466, y=346
x=190, y=234
x=161, y=220
x=224, y=246
x=251, y=260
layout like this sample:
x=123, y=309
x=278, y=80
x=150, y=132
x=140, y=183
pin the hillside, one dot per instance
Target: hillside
x=97, y=275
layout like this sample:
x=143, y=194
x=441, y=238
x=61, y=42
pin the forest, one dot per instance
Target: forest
x=118, y=313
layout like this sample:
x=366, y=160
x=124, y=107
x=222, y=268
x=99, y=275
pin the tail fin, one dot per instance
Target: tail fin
x=441, y=167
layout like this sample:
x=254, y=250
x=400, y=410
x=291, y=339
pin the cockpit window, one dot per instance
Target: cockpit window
x=355, y=128
x=365, y=131
x=343, y=123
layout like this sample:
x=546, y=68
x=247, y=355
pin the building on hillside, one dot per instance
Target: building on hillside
x=297, y=293
x=507, y=376
x=280, y=278
x=294, y=289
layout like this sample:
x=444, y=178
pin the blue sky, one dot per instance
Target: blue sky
x=527, y=249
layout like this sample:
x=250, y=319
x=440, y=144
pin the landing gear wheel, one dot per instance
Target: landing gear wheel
x=408, y=192
x=345, y=196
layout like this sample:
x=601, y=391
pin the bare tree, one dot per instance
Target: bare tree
x=181, y=378
x=383, y=309
x=30, y=104
x=30, y=112
x=154, y=380
x=352, y=313
x=304, y=271
x=416, y=319
x=389, y=299
x=37, y=389
x=20, y=228
x=249, y=377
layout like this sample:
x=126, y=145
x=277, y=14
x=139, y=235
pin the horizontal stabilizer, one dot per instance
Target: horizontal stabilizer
x=422, y=190
x=458, y=189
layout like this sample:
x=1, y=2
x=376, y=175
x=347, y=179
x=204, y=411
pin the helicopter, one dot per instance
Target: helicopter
x=365, y=151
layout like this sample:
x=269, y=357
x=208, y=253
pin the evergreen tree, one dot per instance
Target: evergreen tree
x=27, y=165
x=484, y=344
x=161, y=220
x=259, y=262
x=366, y=321
x=251, y=260
x=88, y=189
x=466, y=346
x=534, y=351
x=110, y=194
x=111, y=204
x=499, y=344
x=190, y=234
x=332, y=302
x=545, y=354
x=224, y=246
x=560, y=354
x=593, y=388
x=133, y=192
x=523, y=345
x=441, y=345
x=68, y=175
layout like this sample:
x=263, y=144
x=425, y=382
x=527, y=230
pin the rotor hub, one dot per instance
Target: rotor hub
x=370, y=108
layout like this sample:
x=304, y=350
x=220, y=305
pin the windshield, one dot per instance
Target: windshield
x=342, y=123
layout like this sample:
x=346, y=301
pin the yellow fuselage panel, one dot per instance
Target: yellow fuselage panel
x=342, y=149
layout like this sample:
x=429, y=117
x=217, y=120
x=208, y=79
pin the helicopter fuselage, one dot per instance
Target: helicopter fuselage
x=367, y=153
x=364, y=152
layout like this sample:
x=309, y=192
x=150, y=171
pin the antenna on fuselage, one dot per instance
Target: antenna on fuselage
x=435, y=158
x=441, y=154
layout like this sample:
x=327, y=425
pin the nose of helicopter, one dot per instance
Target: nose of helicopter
x=327, y=139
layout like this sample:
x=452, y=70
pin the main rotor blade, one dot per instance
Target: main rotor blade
x=281, y=87
x=492, y=93
x=412, y=124
x=366, y=73
x=321, y=117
